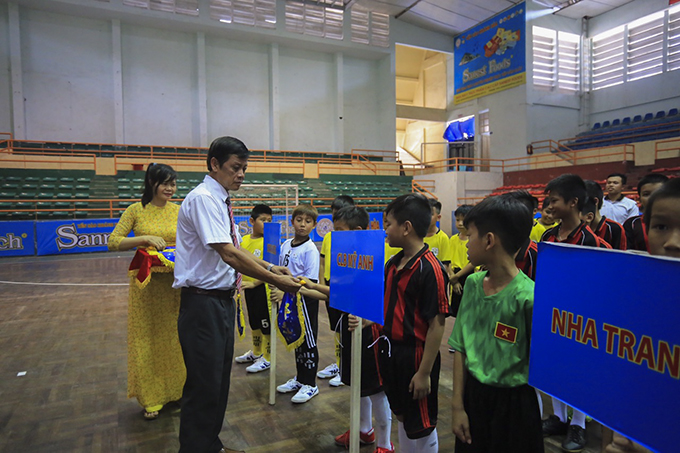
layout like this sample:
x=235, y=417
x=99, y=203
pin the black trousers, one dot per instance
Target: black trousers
x=307, y=354
x=206, y=334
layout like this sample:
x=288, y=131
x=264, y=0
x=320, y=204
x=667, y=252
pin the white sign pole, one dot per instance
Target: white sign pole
x=355, y=395
x=273, y=340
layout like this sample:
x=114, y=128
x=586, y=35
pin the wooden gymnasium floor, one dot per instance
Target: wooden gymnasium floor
x=69, y=339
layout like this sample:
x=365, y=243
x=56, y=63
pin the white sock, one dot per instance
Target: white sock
x=578, y=419
x=560, y=409
x=365, y=419
x=540, y=402
x=429, y=444
x=383, y=420
x=406, y=445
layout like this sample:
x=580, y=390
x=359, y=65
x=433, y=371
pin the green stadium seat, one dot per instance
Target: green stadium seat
x=63, y=205
x=47, y=187
x=44, y=195
x=124, y=188
x=124, y=204
x=5, y=215
x=31, y=179
x=9, y=186
x=64, y=195
x=24, y=205
x=65, y=187
x=13, y=179
x=125, y=195
x=49, y=180
x=42, y=215
x=61, y=215
x=80, y=204
x=83, y=181
x=82, y=187
x=6, y=205
x=81, y=214
x=81, y=195
x=123, y=181
x=7, y=194
x=67, y=180
x=22, y=215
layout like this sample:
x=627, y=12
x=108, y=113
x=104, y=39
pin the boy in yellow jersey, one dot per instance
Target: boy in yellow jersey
x=332, y=371
x=257, y=296
x=547, y=220
x=460, y=265
x=537, y=229
x=436, y=239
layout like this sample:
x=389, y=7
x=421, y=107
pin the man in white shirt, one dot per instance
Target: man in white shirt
x=615, y=205
x=208, y=264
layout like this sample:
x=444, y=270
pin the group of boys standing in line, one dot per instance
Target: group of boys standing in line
x=493, y=407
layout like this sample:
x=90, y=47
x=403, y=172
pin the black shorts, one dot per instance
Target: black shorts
x=334, y=314
x=503, y=419
x=371, y=381
x=258, y=309
x=455, y=298
x=398, y=364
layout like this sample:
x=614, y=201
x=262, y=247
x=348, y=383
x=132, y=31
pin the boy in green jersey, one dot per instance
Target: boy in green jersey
x=494, y=409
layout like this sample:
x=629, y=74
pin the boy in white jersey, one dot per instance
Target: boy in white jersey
x=257, y=296
x=301, y=257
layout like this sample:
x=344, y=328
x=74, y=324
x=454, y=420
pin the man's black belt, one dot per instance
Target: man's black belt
x=221, y=293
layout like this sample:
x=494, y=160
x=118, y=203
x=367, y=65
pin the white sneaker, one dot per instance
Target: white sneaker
x=291, y=386
x=328, y=372
x=306, y=393
x=260, y=364
x=247, y=357
x=336, y=381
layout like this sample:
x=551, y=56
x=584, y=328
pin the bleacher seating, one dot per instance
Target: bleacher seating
x=621, y=131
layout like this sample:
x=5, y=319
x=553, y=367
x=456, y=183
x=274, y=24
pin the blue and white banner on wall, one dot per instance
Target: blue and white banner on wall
x=73, y=236
x=17, y=238
x=358, y=273
x=609, y=344
x=491, y=56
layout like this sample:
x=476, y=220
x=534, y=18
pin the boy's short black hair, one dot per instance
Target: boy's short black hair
x=436, y=204
x=506, y=217
x=260, y=209
x=651, y=178
x=462, y=210
x=305, y=209
x=354, y=216
x=594, y=190
x=525, y=198
x=546, y=203
x=589, y=207
x=569, y=186
x=670, y=189
x=341, y=201
x=222, y=148
x=624, y=178
x=412, y=207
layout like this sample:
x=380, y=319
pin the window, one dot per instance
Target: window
x=556, y=58
x=257, y=13
x=673, y=51
x=186, y=7
x=369, y=27
x=323, y=19
x=645, y=47
x=607, y=59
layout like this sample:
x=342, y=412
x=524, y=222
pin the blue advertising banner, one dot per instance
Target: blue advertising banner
x=17, y=238
x=272, y=242
x=358, y=273
x=73, y=236
x=608, y=343
x=491, y=56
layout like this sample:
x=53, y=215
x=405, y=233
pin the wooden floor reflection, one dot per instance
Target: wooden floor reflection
x=70, y=342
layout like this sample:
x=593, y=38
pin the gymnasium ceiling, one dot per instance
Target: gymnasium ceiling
x=455, y=16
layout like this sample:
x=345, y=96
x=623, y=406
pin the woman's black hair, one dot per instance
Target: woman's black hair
x=156, y=174
x=670, y=189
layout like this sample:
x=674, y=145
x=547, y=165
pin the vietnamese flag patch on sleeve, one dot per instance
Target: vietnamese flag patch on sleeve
x=505, y=332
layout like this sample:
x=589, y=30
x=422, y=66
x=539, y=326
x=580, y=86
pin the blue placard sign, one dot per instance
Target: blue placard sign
x=358, y=273
x=272, y=242
x=17, y=238
x=607, y=342
x=55, y=237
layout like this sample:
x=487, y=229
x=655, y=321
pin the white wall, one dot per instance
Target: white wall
x=647, y=95
x=136, y=76
x=237, y=79
x=67, y=77
x=5, y=86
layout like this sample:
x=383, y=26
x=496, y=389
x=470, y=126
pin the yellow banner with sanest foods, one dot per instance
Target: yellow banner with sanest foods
x=491, y=57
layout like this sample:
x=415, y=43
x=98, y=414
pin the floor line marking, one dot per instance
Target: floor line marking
x=62, y=284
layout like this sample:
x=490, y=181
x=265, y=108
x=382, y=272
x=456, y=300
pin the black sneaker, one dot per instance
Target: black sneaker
x=575, y=440
x=552, y=425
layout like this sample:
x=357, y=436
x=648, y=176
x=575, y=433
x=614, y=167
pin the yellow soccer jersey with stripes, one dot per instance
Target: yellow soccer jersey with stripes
x=439, y=244
x=254, y=246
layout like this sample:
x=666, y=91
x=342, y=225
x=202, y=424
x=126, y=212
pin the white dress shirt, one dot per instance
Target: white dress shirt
x=204, y=220
x=619, y=210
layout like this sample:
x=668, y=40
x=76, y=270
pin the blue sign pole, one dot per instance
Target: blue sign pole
x=608, y=344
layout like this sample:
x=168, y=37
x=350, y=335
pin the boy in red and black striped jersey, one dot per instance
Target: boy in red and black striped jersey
x=525, y=260
x=567, y=195
x=416, y=304
x=636, y=231
x=609, y=230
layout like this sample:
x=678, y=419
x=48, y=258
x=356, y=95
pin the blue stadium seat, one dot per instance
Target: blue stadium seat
x=616, y=122
x=637, y=118
x=660, y=115
x=606, y=124
x=596, y=126
x=648, y=117
x=625, y=121
x=672, y=112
